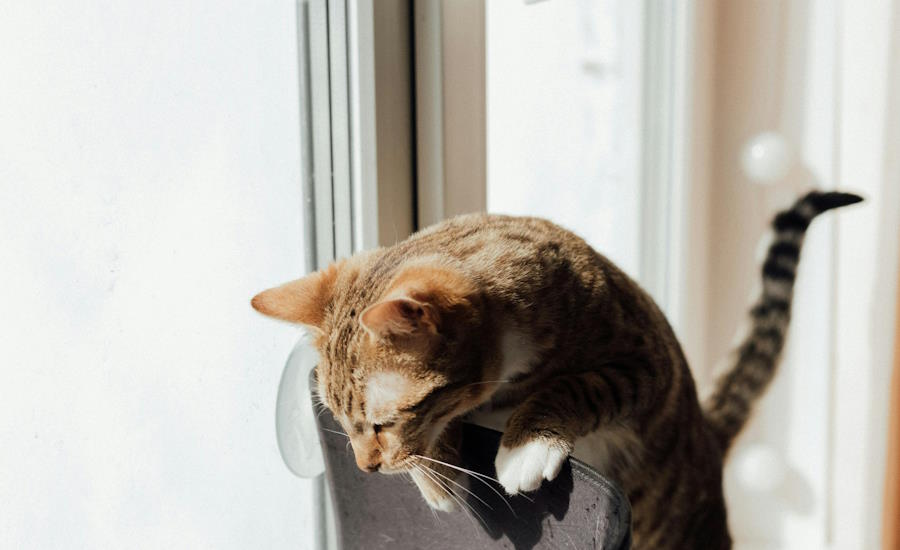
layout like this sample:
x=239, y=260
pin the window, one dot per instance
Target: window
x=161, y=163
x=563, y=118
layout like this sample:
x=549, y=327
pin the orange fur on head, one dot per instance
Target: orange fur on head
x=414, y=302
x=443, y=287
x=399, y=317
x=391, y=332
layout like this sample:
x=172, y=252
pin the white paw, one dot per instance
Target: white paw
x=441, y=503
x=524, y=468
x=435, y=494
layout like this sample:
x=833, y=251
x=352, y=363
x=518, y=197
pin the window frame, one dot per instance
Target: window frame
x=451, y=108
x=355, y=93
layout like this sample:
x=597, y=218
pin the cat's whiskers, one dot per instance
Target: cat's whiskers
x=316, y=398
x=318, y=405
x=460, y=486
x=429, y=473
x=480, y=477
x=460, y=468
x=337, y=432
x=421, y=469
x=433, y=511
x=460, y=499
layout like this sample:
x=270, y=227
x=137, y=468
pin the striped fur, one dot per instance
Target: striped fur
x=756, y=358
x=523, y=317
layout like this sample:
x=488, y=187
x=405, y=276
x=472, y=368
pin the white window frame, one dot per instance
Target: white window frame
x=357, y=157
x=667, y=114
x=382, y=98
x=451, y=108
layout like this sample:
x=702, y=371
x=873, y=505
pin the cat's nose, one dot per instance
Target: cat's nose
x=370, y=462
x=369, y=466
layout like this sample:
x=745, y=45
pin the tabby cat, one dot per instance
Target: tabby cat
x=521, y=316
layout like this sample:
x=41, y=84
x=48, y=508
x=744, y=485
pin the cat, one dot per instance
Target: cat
x=518, y=315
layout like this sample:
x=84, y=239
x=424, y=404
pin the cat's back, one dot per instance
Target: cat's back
x=509, y=248
x=458, y=234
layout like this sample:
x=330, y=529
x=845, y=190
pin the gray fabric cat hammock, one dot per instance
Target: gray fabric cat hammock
x=579, y=509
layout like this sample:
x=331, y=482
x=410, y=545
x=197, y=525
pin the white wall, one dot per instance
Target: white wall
x=149, y=185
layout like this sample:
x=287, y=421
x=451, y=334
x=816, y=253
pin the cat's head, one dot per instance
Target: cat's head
x=399, y=360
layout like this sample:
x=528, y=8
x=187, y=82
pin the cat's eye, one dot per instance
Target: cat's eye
x=378, y=427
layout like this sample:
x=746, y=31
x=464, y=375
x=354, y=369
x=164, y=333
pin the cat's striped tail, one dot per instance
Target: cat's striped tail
x=756, y=358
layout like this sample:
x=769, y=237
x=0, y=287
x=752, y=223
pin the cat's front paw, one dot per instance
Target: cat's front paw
x=523, y=468
x=435, y=494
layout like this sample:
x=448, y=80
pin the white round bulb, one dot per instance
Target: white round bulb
x=759, y=469
x=767, y=157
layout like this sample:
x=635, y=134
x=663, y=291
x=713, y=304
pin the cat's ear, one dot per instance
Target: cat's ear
x=399, y=316
x=302, y=301
x=420, y=302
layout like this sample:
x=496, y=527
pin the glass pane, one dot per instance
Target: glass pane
x=563, y=118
